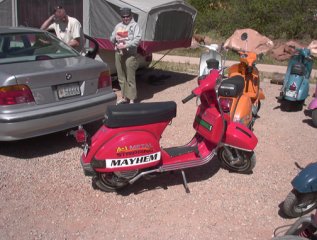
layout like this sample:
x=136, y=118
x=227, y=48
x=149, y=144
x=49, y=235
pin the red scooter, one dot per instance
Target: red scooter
x=127, y=146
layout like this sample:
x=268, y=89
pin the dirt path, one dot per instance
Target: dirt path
x=45, y=195
x=267, y=69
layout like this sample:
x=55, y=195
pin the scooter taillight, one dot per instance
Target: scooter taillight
x=293, y=87
x=225, y=104
x=80, y=135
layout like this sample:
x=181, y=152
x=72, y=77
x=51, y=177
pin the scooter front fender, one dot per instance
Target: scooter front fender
x=306, y=180
x=239, y=136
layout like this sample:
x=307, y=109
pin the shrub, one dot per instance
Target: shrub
x=293, y=19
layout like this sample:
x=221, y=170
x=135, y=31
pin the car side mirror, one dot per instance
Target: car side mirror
x=91, y=53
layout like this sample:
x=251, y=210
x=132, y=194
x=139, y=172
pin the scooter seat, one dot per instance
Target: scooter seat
x=124, y=115
x=231, y=87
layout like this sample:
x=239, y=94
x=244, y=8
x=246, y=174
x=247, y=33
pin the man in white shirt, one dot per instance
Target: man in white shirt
x=67, y=28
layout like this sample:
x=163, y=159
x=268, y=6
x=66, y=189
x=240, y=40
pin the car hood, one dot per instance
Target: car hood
x=50, y=72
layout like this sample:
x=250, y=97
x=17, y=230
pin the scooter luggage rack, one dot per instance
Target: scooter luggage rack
x=178, y=166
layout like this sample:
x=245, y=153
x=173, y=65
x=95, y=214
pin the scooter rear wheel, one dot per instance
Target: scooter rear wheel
x=237, y=160
x=297, y=204
x=314, y=117
x=111, y=182
x=286, y=105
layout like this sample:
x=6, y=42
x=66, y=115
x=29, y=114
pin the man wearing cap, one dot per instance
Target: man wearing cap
x=126, y=38
x=67, y=28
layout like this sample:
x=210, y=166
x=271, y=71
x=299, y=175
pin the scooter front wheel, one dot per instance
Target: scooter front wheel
x=237, y=160
x=110, y=182
x=297, y=204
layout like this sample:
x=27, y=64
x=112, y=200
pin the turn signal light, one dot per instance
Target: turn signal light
x=16, y=94
x=225, y=104
x=104, y=80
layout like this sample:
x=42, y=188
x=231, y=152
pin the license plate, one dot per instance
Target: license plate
x=290, y=93
x=68, y=90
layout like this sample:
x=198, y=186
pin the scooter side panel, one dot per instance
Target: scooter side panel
x=240, y=136
x=306, y=180
x=129, y=150
x=303, y=90
x=243, y=111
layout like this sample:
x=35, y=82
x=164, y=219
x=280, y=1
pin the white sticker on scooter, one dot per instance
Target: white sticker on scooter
x=134, y=161
x=290, y=93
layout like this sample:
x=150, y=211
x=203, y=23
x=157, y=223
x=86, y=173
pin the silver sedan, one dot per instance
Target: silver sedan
x=46, y=86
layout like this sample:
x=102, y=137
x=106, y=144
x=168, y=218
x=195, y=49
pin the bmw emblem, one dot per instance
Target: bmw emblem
x=68, y=76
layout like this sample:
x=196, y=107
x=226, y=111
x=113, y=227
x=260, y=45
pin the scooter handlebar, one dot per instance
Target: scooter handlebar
x=186, y=99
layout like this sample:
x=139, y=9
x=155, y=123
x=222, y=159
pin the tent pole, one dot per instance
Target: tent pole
x=160, y=58
x=14, y=13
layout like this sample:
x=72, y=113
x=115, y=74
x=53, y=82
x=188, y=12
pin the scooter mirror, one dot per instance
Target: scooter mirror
x=244, y=36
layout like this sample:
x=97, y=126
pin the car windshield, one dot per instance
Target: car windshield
x=37, y=46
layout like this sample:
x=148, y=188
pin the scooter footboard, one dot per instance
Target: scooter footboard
x=239, y=136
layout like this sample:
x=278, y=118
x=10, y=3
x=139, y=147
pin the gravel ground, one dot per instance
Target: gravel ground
x=45, y=195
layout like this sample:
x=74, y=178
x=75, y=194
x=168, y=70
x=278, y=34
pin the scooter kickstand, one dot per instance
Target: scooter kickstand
x=185, y=182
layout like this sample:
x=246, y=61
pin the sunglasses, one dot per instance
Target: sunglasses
x=126, y=16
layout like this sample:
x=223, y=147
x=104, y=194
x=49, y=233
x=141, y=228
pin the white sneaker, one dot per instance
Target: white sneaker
x=131, y=101
x=122, y=101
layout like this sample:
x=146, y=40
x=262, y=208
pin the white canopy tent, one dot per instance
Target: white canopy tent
x=165, y=24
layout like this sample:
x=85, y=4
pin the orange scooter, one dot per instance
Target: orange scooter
x=240, y=94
